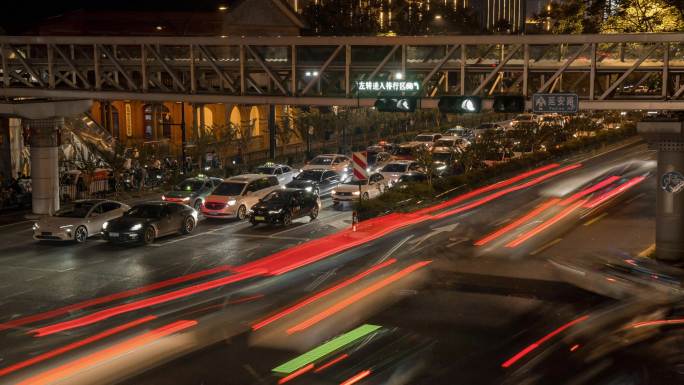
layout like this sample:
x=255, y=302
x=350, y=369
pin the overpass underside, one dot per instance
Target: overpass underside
x=620, y=71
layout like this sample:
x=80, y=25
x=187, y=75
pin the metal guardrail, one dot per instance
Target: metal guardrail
x=606, y=71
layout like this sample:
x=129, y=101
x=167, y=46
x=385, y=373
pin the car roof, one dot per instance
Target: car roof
x=273, y=165
x=318, y=170
x=449, y=137
x=402, y=161
x=246, y=177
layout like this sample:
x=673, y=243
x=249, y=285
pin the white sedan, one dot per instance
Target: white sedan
x=78, y=221
x=394, y=170
x=351, y=191
x=283, y=172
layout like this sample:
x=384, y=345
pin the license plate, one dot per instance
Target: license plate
x=113, y=234
x=260, y=218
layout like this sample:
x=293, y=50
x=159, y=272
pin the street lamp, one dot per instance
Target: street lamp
x=222, y=8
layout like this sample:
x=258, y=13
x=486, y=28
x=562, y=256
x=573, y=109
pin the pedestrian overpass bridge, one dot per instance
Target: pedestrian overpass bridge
x=616, y=71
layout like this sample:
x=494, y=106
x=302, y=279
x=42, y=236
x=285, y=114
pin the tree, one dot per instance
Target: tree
x=644, y=16
x=572, y=16
x=423, y=156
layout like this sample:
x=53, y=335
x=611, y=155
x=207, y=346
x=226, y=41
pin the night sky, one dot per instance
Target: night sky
x=22, y=13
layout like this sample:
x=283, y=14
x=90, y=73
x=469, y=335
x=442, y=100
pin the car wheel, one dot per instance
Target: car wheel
x=81, y=234
x=242, y=212
x=149, y=235
x=188, y=225
x=287, y=219
x=314, y=213
x=365, y=196
x=198, y=205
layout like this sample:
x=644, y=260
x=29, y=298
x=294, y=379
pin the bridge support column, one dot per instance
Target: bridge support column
x=667, y=137
x=271, y=131
x=45, y=164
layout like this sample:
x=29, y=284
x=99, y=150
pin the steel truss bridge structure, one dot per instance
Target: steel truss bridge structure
x=617, y=71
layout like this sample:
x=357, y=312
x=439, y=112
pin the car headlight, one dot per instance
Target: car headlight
x=231, y=202
x=442, y=167
x=104, y=225
x=356, y=193
x=308, y=189
x=36, y=226
x=186, y=199
x=136, y=227
x=333, y=192
x=158, y=176
x=163, y=197
x=275, y=211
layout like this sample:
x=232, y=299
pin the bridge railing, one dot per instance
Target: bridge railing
x=601, y=69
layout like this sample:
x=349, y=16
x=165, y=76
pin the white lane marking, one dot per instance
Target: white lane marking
x=393, y=249
x=641, y=195
x=270, y=237
x=16, y=223
x=546, y=246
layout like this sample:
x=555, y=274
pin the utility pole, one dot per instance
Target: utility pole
x=182, y=126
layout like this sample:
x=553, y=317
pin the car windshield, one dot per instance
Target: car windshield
x=321, y=160
x=189, y=185
x=229, y=189
x=441, y=156
x=145, y=211
x=265, y=170
x=445, y=143
x=309, y=175
x=78, y=210
x=395, y=167
x=424, y=138
x=276, y=196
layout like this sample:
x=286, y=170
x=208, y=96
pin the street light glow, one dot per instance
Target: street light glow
x=223, y=8
x=398, y=75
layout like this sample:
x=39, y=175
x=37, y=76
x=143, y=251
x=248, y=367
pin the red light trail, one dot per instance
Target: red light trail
x=545, y=225
x=517, y=223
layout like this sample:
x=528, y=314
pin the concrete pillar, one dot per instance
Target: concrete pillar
x=272, y=131
x=666, y=135
x=45, y=164
x=6, y=149
x=670, y=212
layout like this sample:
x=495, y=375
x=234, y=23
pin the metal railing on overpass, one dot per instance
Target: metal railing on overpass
x=637, y=71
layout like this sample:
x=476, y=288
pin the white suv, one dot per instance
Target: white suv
x=236, y=195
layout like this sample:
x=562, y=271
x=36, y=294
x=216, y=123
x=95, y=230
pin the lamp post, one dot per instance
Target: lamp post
x=183, y=142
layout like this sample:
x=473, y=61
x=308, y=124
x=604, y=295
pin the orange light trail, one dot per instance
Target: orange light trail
x=537, y=343
x=331, y=362
x=75, y=345
x=517, y=223
x=356, y=378
x=545, y=225
x=112, y=297
x=485, y=189
x=296, y=373
x=143, y=303
x=606, y=182
x=356, y=297
x=320, y=295
x=659, y=322
x=63, y=371
x=509, y=190
x=616, y=191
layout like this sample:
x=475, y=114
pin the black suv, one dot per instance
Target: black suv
x=282, y=206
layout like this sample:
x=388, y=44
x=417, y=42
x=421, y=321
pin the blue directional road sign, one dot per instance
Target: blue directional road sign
x=559, y=103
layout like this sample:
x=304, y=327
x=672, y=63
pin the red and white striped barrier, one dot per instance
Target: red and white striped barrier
x=360, y=165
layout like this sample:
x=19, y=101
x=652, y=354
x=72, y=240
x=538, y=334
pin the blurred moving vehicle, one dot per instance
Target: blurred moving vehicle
x=192, y=191
x=392, y=171
x=320, y=182
x=368, y=354
x=78, y=221
x=283, y=206
x=236, y=195
x=283, y=172
x=146, y=222
x=341, y=164
x=356, y=189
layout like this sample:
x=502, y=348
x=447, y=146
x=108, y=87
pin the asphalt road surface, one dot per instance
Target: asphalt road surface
x=195, y=309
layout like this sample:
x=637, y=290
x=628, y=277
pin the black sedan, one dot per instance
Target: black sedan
x=282, y=206
x=147, y=221
x=320, y=182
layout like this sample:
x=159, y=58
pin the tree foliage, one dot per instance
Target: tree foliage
x=645, y=16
